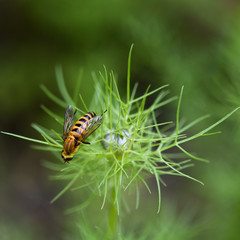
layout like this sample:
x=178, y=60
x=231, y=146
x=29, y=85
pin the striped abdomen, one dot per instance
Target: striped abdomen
x=79, y=128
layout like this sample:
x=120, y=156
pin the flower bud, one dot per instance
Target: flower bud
x=118, y=140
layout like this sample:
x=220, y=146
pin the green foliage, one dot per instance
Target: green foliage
x=110, y=171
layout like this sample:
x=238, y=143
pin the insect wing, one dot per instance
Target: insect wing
x=93, y=125
x=68, y=121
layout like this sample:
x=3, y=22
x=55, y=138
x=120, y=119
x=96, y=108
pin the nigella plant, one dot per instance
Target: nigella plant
x=129, y=147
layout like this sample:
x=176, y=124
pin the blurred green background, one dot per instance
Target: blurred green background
x=190, y=43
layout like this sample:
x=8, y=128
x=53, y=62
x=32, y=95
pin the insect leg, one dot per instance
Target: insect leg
x=103, y=112
x=77, y=143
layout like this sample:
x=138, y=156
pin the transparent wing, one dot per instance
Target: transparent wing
x=68, y=121
x=93, y=125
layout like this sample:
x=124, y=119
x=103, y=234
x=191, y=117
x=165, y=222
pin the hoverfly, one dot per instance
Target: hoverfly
x=75, y=134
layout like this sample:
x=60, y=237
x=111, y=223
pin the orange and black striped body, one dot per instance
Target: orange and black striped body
x=75, y=136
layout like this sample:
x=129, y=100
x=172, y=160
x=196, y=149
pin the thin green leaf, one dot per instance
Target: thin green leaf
x=178, y=112
x=148, y=94
x=209, y=128
x=53, y=97
x=50, y=147
x=80, y=206
x=44, y=134
x=134, y=177
x=128, y=73
x=77, y=86
x=61, y=85
x=190, y=155
x=83, y=103
x=105, y=193
x=193, y=123
x=159, y=189
x=66, y=188
x=53, y=115
x=26, y=138
x=180, y=173
x=137, y=195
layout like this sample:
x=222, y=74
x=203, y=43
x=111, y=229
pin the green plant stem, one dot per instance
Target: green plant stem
x=113, y=216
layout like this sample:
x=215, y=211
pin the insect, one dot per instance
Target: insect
x=75, y=134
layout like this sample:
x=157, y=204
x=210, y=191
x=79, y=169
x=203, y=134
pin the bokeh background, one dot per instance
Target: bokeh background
x=190, y=43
